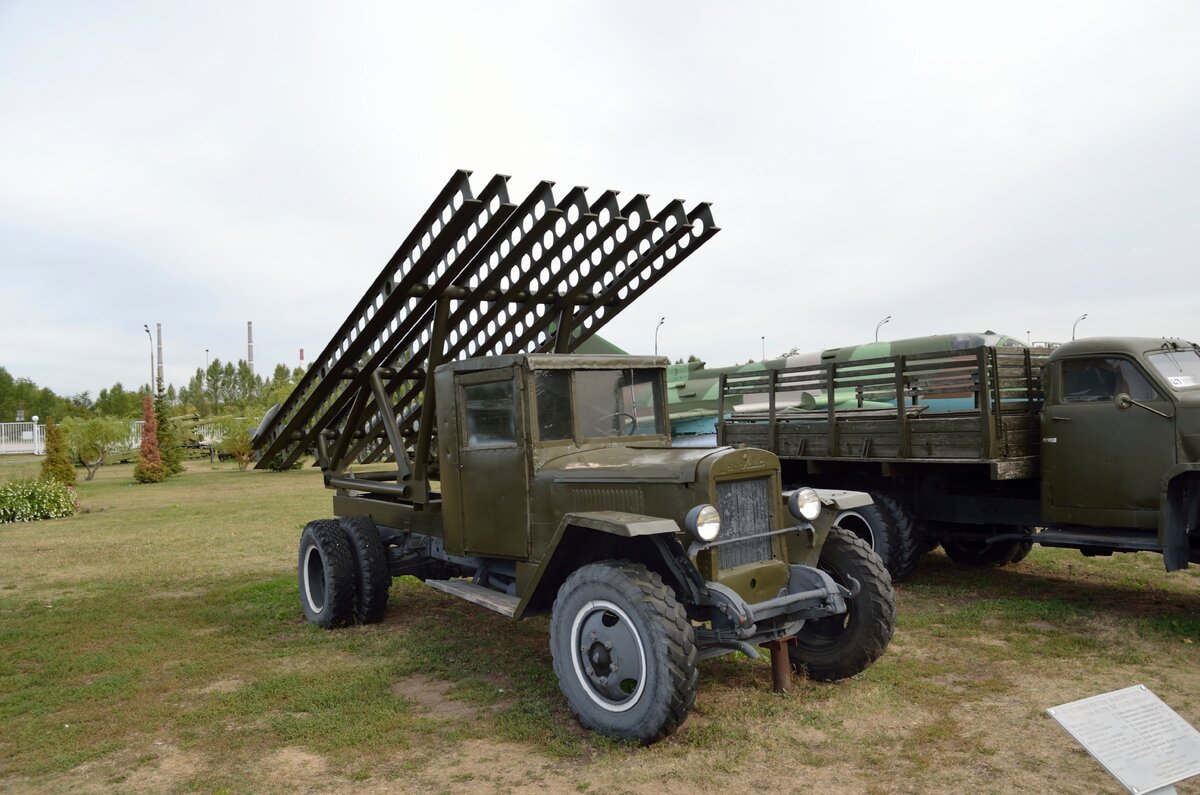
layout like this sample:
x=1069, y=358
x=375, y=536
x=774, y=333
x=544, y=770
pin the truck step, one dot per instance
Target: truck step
x=491, y=599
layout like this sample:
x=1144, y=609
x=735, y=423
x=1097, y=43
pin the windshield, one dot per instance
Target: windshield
x=1180, y=369
x=608, y=403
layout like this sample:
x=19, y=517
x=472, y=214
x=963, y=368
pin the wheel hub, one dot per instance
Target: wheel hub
x=610, y=660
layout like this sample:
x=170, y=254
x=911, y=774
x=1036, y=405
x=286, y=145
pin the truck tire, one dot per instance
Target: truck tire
x=618, y=616
x=888, y=534
x=325, y=570
x=906, y=549
x=838, y=647
x=980, y=553
x=371, y=568
x=1023, y=550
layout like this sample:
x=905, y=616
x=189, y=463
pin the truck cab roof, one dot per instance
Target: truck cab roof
x=555, y=361
x=1132, y=346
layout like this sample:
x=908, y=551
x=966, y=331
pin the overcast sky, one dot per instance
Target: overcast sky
x=956, y=166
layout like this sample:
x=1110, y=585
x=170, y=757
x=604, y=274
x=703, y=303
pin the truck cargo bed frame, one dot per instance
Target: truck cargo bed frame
x=999, y=427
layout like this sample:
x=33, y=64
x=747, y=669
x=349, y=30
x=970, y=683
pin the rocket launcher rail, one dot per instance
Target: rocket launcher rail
x=477, y=276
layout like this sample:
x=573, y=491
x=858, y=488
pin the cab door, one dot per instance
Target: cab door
x=493, y=466
x=1097, y=457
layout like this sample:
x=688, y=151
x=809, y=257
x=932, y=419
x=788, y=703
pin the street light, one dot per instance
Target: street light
x=150, y=337
x=764, y=347
x=1076, y=323
x=879, y=325
x=661, y=320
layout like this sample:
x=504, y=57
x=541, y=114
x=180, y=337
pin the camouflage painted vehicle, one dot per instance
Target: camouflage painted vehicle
x=1092, y=446
x=470, y=446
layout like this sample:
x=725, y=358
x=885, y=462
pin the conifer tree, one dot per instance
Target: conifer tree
x=149, y=468
x=168, y=438
x=56, y=465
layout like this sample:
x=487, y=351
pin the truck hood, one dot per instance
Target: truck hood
x=629, y=464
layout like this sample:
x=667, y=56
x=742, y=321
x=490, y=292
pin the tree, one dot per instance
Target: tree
x=168, y=436
x=91, y=440
x=56, y=465
x=237, y=441
x=149, y=468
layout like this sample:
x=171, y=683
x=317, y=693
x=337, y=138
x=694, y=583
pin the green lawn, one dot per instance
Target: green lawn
x=155, y=643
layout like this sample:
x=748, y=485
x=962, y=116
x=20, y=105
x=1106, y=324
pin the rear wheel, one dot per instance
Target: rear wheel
x=1023, y=550
x=325, y=570
x=624, y=651
x=373, y=579
x=980, y=553
x=838, y=647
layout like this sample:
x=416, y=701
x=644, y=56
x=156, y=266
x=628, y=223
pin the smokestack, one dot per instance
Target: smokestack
x=301, y=358
x=154, y=387
x=250, y=344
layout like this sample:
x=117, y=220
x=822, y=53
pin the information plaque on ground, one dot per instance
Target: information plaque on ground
x=1141, y=741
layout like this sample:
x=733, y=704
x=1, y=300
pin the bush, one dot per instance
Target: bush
x=56, y=465
x=30, y=500
x=276, y=464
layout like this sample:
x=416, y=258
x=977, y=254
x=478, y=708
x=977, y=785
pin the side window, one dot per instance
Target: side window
x=491, y=414
x=554, y=405
x=1100, y=379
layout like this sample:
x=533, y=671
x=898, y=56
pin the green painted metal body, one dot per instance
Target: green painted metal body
x=526, y=496
x=1098, y=440
x=1109, y=463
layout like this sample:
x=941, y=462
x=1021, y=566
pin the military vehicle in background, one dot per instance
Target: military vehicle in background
x=471, y=446
x=989, y=448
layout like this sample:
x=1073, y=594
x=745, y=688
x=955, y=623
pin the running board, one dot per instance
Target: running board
x=491, y=599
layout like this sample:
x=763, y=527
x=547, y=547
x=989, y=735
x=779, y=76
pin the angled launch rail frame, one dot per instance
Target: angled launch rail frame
x=477, y=276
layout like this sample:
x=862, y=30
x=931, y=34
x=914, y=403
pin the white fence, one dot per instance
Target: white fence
x=22, y=437
x=28, y=438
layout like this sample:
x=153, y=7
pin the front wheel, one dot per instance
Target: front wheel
x=624, y=651
x=886, y=528
x=838, y=647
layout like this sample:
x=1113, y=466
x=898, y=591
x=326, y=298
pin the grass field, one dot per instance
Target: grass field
x=155, y=643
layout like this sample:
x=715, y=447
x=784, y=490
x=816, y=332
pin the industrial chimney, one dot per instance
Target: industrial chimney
x=250, y=344
x=154, y=387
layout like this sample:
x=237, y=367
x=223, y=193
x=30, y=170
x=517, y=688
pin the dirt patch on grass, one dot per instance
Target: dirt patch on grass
x=222, y=686
x=429, y=698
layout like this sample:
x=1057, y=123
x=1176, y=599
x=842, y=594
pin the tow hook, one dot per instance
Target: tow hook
x=854, y=589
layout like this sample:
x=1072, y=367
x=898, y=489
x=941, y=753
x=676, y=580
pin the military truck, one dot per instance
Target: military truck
x=987, y=450
x=469, y=446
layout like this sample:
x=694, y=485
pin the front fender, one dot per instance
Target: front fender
x=619, y=523
x=588, y=536
x=1179, y=514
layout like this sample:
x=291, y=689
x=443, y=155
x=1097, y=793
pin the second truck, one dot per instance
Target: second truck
x=990, y=448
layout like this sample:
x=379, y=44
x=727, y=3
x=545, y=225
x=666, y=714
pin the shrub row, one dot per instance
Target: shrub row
x=29, y=500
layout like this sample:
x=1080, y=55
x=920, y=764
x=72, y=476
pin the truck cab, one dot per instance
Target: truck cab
x=1120, y=440
x=538, y=450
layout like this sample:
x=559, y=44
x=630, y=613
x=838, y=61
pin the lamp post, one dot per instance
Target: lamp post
x=661, y=320
x=150, y=337
x=879, y=325
x=1076, y=323
x=764, y=347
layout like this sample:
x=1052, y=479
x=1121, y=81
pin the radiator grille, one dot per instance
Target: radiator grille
x=745, y=507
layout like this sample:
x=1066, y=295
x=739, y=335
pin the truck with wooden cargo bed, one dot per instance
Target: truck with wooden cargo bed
x=468, y=446
x=986, y=450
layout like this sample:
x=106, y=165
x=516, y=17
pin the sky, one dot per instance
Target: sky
x=955, y=166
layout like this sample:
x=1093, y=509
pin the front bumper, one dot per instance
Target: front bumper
x=737, y=625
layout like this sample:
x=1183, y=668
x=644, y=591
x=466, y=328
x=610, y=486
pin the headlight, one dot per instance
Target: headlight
x=805, y=504
x=703, y=522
